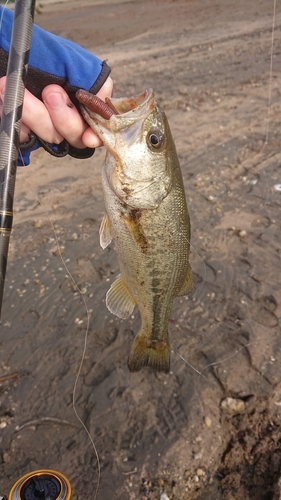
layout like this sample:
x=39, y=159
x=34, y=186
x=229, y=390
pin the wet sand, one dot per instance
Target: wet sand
x=208, y=62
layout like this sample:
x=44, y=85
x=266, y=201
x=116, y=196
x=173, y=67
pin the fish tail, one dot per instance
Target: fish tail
x=155, y=354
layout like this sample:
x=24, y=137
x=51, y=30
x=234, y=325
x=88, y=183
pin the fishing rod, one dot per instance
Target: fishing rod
x=10, y=123
x=45, y=484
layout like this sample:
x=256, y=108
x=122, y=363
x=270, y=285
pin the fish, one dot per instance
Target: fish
x=146, y=216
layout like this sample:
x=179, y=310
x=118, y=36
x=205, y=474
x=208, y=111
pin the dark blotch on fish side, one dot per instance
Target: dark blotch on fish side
x=133, y=219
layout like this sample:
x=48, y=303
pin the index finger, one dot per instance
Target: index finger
x=35, y=117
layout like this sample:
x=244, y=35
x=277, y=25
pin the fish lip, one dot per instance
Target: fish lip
x=129, y=109
x=125, y=105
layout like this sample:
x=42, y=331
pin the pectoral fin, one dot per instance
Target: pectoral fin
x=105, y=232
x=119, y=299
x=187, y=286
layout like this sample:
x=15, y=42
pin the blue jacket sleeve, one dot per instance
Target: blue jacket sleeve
x=54, y=60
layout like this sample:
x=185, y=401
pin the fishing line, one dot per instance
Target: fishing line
x=82, y=357
x=88, y=314
x=215, y=363
x=74, y=397
x=270, y=72
x=76, y=287
x=269, y=104
x=173, y=349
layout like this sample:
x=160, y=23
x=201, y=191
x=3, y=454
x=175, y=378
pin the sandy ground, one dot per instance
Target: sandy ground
x=208, y=61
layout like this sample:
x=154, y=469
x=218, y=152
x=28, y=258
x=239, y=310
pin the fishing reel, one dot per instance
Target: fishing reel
x=41, y=485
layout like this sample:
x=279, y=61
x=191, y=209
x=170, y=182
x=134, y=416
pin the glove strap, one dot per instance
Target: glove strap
x=58, y=150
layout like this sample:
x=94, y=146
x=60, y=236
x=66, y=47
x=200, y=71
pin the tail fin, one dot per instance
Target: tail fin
x=145, y=353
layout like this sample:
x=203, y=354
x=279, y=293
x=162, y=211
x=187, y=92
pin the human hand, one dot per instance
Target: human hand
x=56, y=118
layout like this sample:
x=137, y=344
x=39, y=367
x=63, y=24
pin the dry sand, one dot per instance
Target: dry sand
x=208, y=61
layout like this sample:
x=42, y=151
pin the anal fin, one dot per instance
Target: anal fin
x=105, y=232
x=119, y=300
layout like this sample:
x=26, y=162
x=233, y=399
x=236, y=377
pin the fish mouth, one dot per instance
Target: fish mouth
x=115, y=114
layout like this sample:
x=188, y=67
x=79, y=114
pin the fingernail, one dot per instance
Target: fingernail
x=53, y=100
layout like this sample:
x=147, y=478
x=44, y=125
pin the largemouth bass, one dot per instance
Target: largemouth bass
x=146, y=215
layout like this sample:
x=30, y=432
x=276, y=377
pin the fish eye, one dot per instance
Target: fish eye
x=155, y=139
